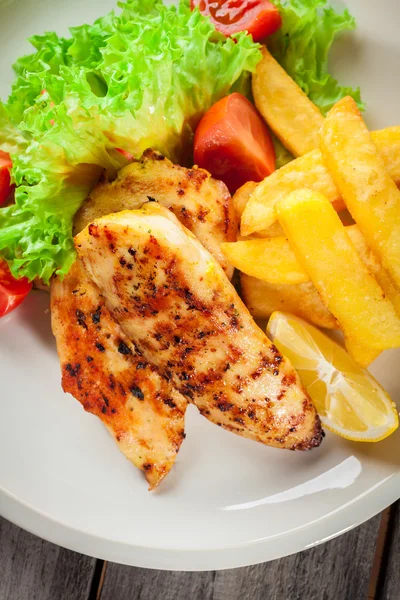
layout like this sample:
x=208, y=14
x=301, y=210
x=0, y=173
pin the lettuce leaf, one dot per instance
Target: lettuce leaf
x=302, y=47
x=142, y=78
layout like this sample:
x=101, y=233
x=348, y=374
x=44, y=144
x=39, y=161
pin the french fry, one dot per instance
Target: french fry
x=263, y=298
x=271, y=259
x=349, y=291
x=374, y=266
x=387, y=142
x=362, y=355
x=240, y=199
x=294, y=119
x=365, y=185
x=274, y=260
x=310, y=172
x=305, y=172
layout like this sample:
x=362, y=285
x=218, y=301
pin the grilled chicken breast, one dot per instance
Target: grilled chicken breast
x=200, y=202
x=174, y=301
x=102, y=369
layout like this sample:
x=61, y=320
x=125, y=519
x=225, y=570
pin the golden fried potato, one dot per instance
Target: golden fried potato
x=310, y=172
x=274, y=260
x=362, y=355
x=387, y=142
x=294, y=119
x=374, y=266
x=305, y=172
x=349, y=291
x=263, y=298
x=240, y=199
x=271, y=259
x=364, y=183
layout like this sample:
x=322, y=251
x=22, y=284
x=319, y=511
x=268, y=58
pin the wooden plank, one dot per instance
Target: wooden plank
x=389, y=588
x=32, y=569
x=129, y=583
x=380, y=546
x=338, y=569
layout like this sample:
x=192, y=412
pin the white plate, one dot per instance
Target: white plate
x=229, y=502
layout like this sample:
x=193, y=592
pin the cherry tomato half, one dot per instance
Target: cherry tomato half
x=5, y=178
x=12, y=291
x=259, y=17
x=233, y=143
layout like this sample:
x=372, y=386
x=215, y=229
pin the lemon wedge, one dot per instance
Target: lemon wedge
x=349, y=401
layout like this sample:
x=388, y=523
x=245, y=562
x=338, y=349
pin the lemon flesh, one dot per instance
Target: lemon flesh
x=348, y=399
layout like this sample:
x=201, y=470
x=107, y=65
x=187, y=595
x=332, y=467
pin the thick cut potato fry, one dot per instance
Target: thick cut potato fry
x=374, y=266
x=305, y=172
x=364, y=183
x=271, y=259
x=349, y=291
x=362, y=355
x=240, y=199
x=310, y=172
x=263, y=298
x=275, y=261
x=388, y=143
x=294, y=119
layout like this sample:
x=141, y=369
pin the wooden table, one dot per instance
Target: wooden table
x=364, y=564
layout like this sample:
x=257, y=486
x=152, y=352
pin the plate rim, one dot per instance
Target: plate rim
x=305, y=537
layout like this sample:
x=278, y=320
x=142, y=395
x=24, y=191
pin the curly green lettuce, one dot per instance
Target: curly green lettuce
x=302, y=45
x=139, y=79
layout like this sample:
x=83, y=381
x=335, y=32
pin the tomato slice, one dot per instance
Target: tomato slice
x=5, y=178
x=233, y=143
x=12, y=291
x=259, y=17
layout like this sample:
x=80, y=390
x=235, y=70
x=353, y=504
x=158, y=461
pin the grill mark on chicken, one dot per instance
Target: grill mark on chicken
x=102, y=370
x=200, y=202
x=260, y=395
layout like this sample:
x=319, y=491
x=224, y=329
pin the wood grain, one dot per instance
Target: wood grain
x=32, y=569
x=339, y=569
x=390, y=580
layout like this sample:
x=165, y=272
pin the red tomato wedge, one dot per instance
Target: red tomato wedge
x=5, y=178
x=233, y=143
x=259, y=17
x=12, y=291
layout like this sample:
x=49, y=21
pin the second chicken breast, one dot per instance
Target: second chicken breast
x=203, y=204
